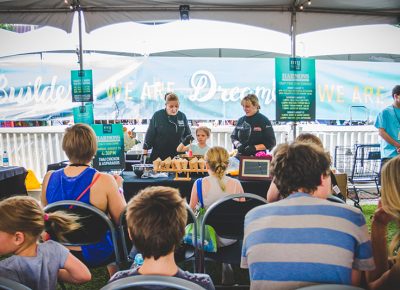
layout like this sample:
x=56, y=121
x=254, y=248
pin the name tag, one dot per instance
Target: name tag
x=257, y=129
x=180, y=123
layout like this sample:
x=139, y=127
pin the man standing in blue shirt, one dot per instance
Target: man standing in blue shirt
x=388, y=124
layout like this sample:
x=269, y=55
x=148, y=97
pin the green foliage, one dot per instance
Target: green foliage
x=7, y=27
x=99, y=279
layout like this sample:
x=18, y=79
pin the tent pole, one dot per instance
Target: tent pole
x=79, y=9
x=293, y=32
x=293, y=45
x=80, y=37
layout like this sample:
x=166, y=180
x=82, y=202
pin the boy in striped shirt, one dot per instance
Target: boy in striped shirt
x=304, y=239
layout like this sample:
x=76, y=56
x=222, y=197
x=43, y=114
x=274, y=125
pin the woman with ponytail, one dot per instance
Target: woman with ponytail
x=37, y=265
x=217, y=185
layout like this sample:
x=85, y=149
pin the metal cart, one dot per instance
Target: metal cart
x=361, y=163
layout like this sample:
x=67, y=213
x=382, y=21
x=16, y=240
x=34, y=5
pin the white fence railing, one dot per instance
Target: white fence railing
x=35, y=147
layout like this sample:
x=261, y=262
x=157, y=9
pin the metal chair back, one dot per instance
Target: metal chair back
x=94, y=225
x=227, y=216
x=126, y=243
x=152, y=280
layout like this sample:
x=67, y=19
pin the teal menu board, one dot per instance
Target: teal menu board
x=110, y=143
x=295, y=89
x=82, y=85
x=84, y=114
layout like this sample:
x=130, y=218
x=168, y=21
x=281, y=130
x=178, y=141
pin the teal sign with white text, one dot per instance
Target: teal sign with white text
x=295, y=89
x=110, y=143
x=82, y=85
x=84, y=114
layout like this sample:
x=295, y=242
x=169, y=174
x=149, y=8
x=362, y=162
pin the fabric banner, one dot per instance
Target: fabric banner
x=209, y=88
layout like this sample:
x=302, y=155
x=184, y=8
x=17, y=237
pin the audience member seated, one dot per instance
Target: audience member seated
x=156, y=219
x=387, y=272
x=217, y=185
x=78, y=181
x=304, y=239
x=36, y=265
x=273, y=192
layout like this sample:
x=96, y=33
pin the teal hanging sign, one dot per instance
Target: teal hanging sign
x=82, y=85
x=110, y=143
x=295, y=89
x=84, y=114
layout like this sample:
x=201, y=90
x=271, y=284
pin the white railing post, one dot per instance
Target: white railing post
x=36, y=147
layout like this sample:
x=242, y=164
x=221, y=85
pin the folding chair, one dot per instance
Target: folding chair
x=331, y=287
x=126, y=243
x=226, y=216
x=362, y=163
x=366, y=166
x=7, y=284
x=152, y=280
x=189, y=253
x=94, y=225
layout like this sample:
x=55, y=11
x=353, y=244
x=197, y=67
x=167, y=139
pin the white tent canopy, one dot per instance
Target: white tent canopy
x=271, y=14
x=370, y=39
x=134, y=38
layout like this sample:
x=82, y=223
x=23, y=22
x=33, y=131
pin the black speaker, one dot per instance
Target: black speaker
x=184, y=12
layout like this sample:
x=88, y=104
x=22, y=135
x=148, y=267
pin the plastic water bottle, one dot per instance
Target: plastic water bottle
x=5, y=159
x=138, y=261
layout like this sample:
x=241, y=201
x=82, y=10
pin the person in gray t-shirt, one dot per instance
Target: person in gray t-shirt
x=39, y=272
x=36, y=265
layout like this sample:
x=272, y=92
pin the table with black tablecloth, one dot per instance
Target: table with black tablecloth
x=12, y=181
x=133, y=184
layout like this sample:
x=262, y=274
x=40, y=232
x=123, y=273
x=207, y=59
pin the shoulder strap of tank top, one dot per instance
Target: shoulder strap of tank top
x=87, y=188
x=200, y=191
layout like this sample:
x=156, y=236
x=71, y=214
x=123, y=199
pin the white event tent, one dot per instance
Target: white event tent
x=272, y=14
x=291, y=17
x=133, y=38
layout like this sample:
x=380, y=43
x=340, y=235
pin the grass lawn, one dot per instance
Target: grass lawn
x=368, y=211
x=100, y=275
x=99, y=279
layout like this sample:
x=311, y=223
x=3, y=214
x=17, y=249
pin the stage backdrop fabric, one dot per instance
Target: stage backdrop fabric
x=209, y=88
